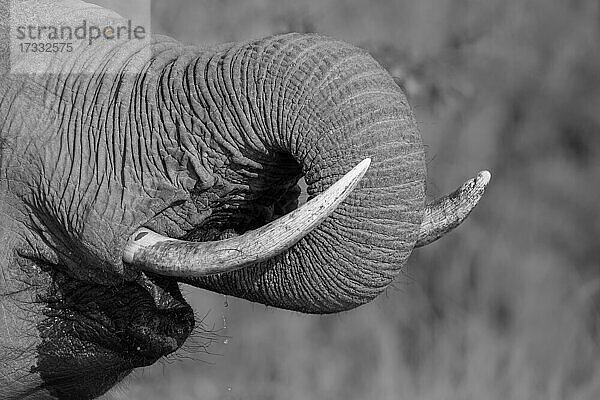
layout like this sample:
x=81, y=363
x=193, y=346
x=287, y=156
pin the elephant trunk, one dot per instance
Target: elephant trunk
x=327, y=105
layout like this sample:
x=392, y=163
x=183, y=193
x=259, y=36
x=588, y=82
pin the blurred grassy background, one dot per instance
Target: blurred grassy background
x=504, y=308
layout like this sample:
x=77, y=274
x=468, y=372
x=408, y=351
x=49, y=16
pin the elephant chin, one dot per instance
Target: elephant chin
x=94, y=335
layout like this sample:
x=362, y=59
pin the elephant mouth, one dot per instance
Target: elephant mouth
x=101, y=333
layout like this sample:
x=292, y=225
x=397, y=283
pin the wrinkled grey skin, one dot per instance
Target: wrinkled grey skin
x=206, y=143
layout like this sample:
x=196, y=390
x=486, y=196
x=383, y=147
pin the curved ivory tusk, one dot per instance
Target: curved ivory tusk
x=446, y=213
x=150, y=251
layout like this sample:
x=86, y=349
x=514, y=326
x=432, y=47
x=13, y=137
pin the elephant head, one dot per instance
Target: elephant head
x=115, y=187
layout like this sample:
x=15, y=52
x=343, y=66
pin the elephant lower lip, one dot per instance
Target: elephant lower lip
x=98, y=334
x=93, y=375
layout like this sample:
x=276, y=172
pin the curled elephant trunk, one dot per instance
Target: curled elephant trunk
x=327, y=105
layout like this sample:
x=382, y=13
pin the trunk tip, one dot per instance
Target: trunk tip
x=484, y=177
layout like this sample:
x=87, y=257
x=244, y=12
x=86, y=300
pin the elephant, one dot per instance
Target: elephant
x=117, y=187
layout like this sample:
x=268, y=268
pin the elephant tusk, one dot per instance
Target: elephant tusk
x=152, y=252
x=448, y=212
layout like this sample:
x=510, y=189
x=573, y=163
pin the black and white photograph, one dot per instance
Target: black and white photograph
x=299, y=199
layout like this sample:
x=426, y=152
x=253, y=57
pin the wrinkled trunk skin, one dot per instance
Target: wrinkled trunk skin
x=328, y=105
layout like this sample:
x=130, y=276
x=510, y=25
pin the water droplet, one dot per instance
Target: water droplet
x=229, y=389
x=138, y=348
